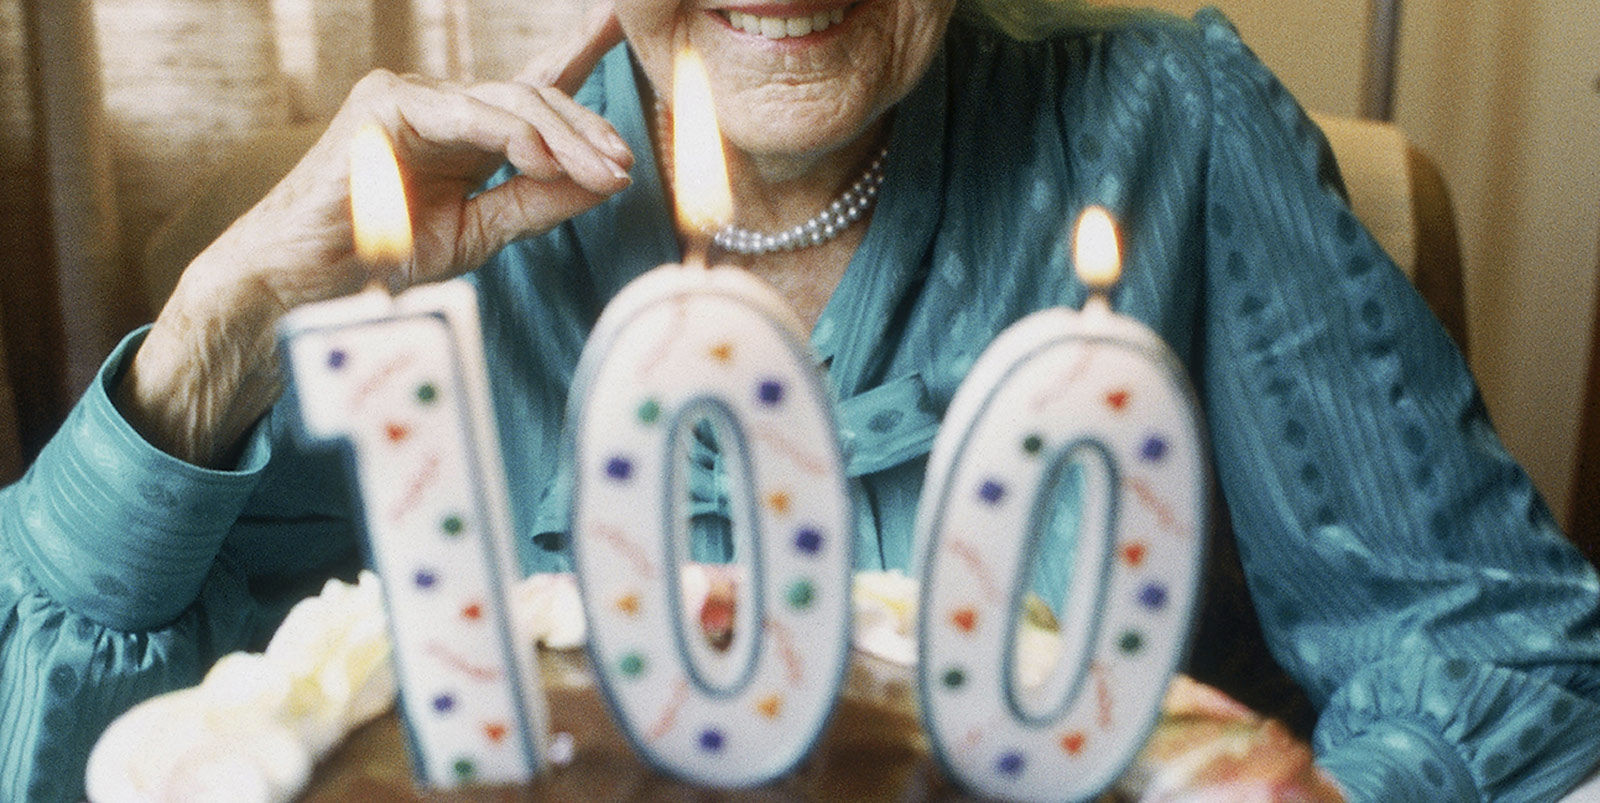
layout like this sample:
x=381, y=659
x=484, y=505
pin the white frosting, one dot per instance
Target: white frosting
x=547, y=606
x=255, y=726
x=886, y=616
x=886, y=622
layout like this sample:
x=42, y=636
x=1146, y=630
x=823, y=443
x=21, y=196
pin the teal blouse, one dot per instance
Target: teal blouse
x=1405, y=571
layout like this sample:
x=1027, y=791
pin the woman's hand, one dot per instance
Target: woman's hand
x=208, y=369
x=1210, y=747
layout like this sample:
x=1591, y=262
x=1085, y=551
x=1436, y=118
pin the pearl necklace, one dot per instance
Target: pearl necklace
x=845, y=211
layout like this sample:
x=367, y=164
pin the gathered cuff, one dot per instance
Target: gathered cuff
x=1398, y=761
x=116, y=529
x=1426, y=727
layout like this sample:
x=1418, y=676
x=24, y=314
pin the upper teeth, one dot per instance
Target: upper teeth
x=780, y=27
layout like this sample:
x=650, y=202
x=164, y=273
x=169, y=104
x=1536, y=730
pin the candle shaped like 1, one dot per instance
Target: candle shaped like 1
x=1062, y=401
x=400, y=381
x=681, y=357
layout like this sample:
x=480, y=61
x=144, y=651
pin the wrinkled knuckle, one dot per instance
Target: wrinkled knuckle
x=545, y=75
x=377, y=82
x=462, y=112
x=487, y=90
x=551, y=93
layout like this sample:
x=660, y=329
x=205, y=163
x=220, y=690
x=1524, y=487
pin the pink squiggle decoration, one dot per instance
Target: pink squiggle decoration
x=413, y=493
x=479, y=673
x=630, y=551
x=791, y=657
x=974, y=562
x=1102, y=693
x=1150, y=499
x=375, y=382
x=1062, y=384
x=975, y=736
x=673, y=334
x=669, y=715
x=809, y=463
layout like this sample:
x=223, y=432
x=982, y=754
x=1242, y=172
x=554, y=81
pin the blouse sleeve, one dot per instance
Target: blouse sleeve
x=1405, y=570
x=111, y=586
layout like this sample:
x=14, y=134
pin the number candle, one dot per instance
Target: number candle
x=401, y=381
x=680, y=346
x=1058, y=391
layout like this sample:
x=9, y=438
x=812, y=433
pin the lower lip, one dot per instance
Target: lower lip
x=791, y=42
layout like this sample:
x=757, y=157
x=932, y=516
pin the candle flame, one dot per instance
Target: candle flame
x=700, y=174
x=382, y=224
x=1094, y=249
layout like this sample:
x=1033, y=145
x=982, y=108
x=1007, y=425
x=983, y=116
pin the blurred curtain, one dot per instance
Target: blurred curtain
x=1583, y=519
x=112, y=110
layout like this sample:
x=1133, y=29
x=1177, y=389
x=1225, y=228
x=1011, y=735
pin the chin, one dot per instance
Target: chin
x=797, y=136
x=788, y=121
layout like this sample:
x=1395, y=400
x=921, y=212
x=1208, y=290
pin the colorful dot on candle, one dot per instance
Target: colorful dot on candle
x=619, y=469
x=769, y=392
x=770, y=706
x=1154, y=448
x=953, y=678
x=1133, y=554
x=426, y=578
x=808, y=540
x=337, y=358
x=496, y=731
x=649, y=411
x=452, y=525
x=465, y=769
x=1130, y=643
x=779, y=502
x=1073, y=742
x=722, y=352
x=1033, y=444
x=396, y=432
x=631, y=665
x=1011, y=764
x=1117, y=400
x=712, y=740
x=801, y=594
x=964, y=619
x=444, y=703
x=991, y=492
x=427, y=393
x=628, y=604
x=1153, y=596
x=472, y=612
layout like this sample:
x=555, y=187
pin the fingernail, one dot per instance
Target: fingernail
x=621, y=174
x=619, y=148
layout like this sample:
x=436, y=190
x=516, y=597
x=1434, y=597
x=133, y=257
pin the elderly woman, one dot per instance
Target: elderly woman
x=1405, y=573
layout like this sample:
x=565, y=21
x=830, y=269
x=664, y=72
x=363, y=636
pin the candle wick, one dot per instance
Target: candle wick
x=1099, y=301
x=697, y=253
x=376, y=286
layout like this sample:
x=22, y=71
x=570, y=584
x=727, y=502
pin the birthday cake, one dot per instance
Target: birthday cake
x=313, y=718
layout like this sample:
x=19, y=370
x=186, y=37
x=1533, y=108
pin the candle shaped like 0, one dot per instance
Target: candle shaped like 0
x=400, y=380
x=681, y=350
x=1060, y=396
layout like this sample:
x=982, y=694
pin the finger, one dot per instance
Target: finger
x=596, y=128
x=450, y=126
x=567, y=68
x=577, y=154
x=518, y=208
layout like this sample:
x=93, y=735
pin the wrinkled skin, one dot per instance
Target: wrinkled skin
x=793, y=100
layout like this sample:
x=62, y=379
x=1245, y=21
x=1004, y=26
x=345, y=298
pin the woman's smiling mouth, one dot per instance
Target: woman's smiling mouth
x=773, y=26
